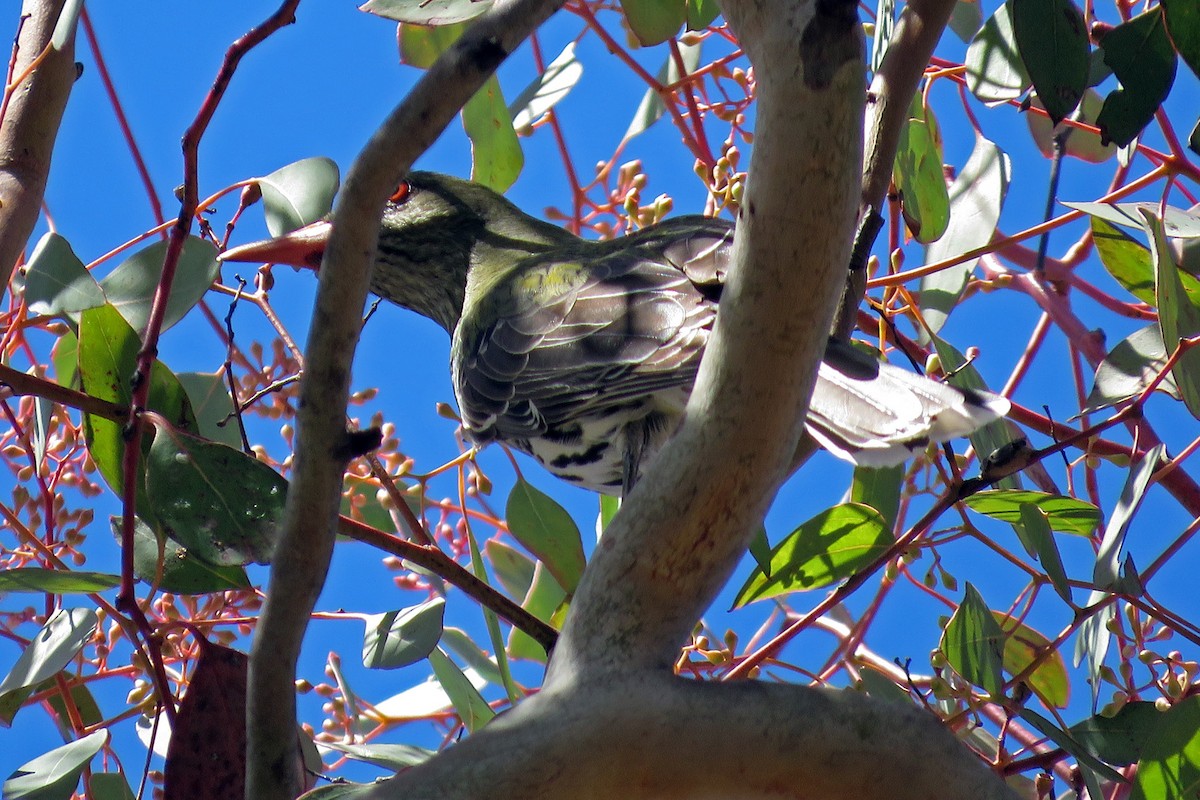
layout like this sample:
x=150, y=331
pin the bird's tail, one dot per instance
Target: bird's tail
x=877, y=415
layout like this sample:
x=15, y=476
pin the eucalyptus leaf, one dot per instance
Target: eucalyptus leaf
x=299, y=194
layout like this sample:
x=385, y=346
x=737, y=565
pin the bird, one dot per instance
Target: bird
x=582, y=353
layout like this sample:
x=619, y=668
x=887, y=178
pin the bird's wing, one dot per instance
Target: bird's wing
x=615, y=330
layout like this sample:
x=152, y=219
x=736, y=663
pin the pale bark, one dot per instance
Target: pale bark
x=323, y=447
x=30, y=125
x=611, y=720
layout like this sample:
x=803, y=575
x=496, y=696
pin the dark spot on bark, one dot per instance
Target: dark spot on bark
x=830, y=40
x=487, y=54
x=358, y=443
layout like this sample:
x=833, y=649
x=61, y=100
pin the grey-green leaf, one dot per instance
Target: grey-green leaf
x=56, y=281
x=62, y=636
x=1108, y=558
x=298, y=194
x=995, y=72
x=1178, y=316
x=54, y=775
x=651, y=108
x=1129, y=368
x=130, y=287
x=399, y=638
x=976, y=198
x=55, y=581
x=427, y=12
x=1052, y=38
x=466, y=699
x=546, y=90
x=220, y=503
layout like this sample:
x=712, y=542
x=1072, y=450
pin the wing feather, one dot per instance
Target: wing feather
x=609, y=334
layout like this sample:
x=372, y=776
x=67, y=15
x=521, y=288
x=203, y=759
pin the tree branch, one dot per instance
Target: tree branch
x=917, y=33
x=306, y=545
x=609, y=696
x=43, y=76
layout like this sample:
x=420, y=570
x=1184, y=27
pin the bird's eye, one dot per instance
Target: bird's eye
x=401, y=194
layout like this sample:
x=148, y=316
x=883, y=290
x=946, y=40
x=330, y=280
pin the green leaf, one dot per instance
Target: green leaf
x=963, y=375
x=299, y=194
x=884, y=29
x=1052, y=39
x=466, y=699
x=62, y=637
x=1065, y=514
x=420, y=45
x=1177, y=223
x=55, y=581
x=496, y=157
x=966, y=19
x=171, y=568
x=109, y=786
x=995, y=72
x=1141, y=56
x=760, y=551
x=1067, y=742
x=976, y=198
x=1177, y=315
x=130, y=287
x=1170, y=762
x=460, y=643
x=651, y=108
x=920, y=177
x=1128, y=369
x=361, y=501
x=1119, y=739
x=654, y=21
x=56, y=282
x=344, y=791
x=513, y=568
x=210, y=401
x=392, y=757
x=54, y=775
x=1038, y=539
x=1126, y=259
x=544, y=598
x=1022, y=644
x=609, y=506
x=701, y=13
x=66, y=25
x=1182, y=18
x=399, y=638
x=1107, y=571
x=545, y=529
x=879, y=488
x=546, y=90
x=427, y=12
x=81, y=698
x=882, y=687
x=974, y=644
x=831, y=546
x=220, y=503
x=1077, y=143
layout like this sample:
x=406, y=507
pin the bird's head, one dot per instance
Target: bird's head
x=435, y=230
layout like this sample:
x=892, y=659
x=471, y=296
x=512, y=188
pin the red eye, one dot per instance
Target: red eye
x=401, y=194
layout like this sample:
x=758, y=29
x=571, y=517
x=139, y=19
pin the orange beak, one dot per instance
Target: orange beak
x=302, y=247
